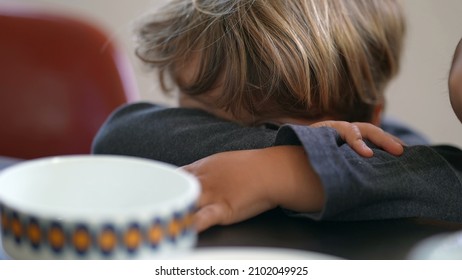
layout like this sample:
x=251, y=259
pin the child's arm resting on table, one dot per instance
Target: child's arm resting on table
x=242, y=184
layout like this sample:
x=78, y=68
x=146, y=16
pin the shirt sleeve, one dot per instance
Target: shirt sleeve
x=423, y=182
x=178, y=136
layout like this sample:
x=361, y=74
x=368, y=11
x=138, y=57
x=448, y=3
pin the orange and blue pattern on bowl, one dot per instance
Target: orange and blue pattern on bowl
x=52, y=239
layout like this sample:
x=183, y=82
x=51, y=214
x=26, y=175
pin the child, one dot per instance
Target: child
x=222, y=202
x=258, y=62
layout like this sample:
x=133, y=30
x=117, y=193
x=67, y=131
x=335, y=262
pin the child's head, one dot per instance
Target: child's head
x=270, y=59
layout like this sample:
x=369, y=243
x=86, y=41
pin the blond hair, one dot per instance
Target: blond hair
x=278, y=58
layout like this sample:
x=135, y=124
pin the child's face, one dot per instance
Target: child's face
x=455, y=82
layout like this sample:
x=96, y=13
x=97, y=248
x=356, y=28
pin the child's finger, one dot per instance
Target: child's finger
x=361, y=148
x=351, y=134
x=210, y=215
x=392, y=146
x=381, y=139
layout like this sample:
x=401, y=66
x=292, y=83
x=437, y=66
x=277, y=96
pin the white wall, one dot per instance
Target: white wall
x=419, y=95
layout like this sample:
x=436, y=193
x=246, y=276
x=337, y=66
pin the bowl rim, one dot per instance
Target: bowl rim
x=142, y=212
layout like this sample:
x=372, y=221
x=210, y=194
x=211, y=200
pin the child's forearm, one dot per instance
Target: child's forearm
x=294, y=183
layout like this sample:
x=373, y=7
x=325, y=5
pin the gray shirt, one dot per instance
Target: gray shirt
x=423, y=182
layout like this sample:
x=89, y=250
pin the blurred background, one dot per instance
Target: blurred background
x=418, y=97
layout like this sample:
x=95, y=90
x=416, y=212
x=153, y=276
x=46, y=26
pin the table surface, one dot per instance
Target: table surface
x=385, y=239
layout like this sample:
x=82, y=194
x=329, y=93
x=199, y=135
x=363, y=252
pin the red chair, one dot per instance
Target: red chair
x=60, y=78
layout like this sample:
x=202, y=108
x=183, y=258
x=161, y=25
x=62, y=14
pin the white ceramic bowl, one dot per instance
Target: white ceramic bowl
x=96, y=207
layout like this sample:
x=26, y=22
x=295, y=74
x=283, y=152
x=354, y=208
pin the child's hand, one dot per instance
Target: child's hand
x=353, y=134
x=239, y=185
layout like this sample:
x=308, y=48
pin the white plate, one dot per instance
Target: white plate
x=254, y=253
x=439, y=247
